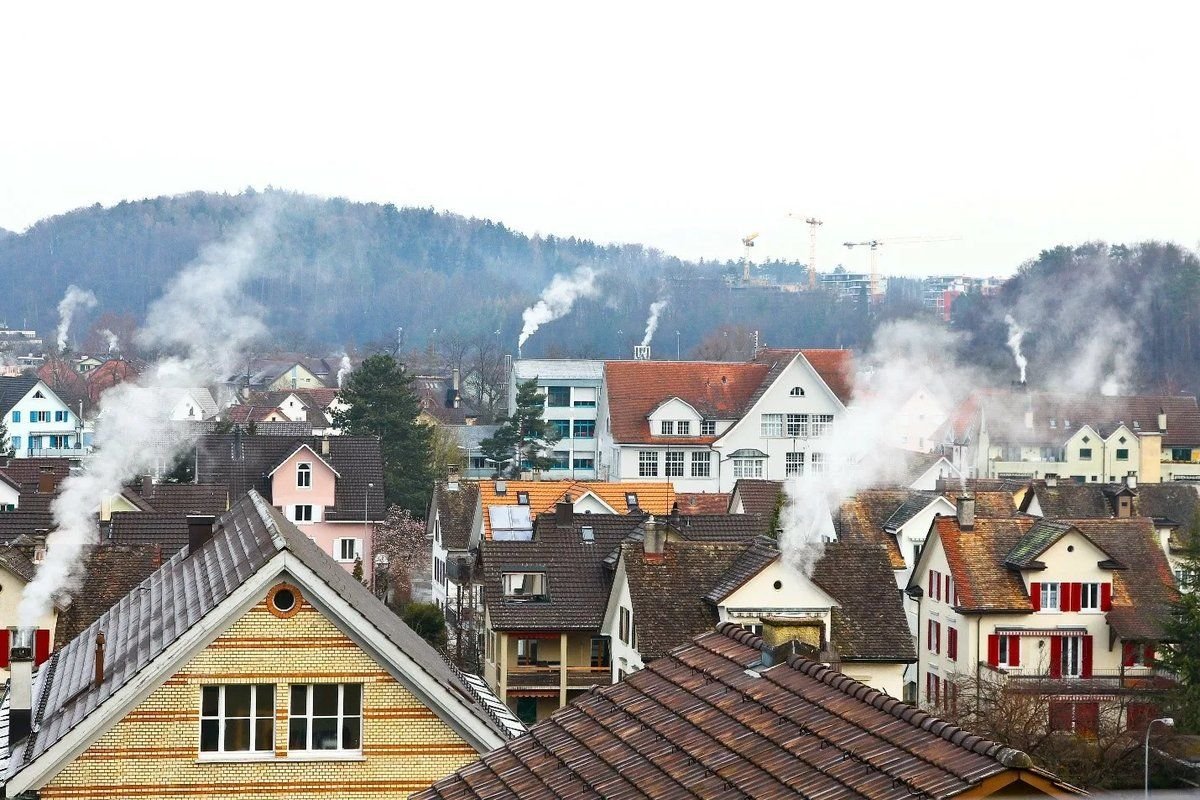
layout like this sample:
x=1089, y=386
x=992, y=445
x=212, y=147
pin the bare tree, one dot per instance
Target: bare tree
x=487, y=379
x=402, y=552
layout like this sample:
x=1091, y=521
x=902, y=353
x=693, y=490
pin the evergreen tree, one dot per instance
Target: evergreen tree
x=1182, y=628
x=381, y=402
x=428, y=621
x=524, y=437
x=6, y=448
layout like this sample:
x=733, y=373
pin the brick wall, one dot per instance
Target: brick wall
x=154, y=751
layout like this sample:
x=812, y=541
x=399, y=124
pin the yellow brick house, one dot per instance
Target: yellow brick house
x=250, y=665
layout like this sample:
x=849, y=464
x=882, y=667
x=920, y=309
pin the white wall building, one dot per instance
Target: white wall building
x=39, y=422
x=572, y=390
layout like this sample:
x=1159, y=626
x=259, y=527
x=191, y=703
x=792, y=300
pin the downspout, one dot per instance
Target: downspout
x=978, y=668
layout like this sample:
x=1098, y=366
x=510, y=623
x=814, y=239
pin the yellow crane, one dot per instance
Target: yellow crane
x=875, y=244
x=748, y=241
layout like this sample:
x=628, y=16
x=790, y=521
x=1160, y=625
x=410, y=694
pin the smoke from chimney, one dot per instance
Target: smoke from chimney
x=344, y=370
x=114, y=343
x=557, y=300
x=652, y=323
x=1015, y=334
x=72, y=301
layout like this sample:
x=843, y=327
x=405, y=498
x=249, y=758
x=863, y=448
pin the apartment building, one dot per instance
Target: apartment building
x=571, y=388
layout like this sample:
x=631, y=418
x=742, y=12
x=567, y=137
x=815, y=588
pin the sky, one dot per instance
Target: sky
x=990, y=130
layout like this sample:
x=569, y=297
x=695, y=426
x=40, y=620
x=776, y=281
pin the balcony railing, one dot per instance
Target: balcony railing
x=56, y=452
x=1134, y=677
x=548, y=676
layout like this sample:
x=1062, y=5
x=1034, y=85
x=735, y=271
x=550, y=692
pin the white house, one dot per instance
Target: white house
x=705, y=425
x=39, y=422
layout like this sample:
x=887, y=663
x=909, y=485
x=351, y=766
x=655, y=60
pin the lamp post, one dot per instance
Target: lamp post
x=367, y=531
x=1170, y=723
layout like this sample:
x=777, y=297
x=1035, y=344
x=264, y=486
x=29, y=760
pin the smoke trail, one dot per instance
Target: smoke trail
x=203, y=317
x=72, y=301
x=114, y=344
x=344, y=370
x=556, y=300
x=652, y=323
x=1015, y=334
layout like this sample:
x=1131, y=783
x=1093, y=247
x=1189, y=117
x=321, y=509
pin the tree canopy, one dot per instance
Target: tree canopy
x=524, y=436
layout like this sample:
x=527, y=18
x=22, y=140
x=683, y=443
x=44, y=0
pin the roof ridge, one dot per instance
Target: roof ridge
x=1008, y=756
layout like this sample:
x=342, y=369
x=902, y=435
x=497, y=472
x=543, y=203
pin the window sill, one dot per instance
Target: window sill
x=227, y=758
x=241, y=758
x=328, y=755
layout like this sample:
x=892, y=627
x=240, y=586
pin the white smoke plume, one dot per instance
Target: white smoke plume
x=652, y=324
x=72, y=301
x=203, y=318
x=344, y=370
x=1015, y=334
x=556, y=300
x=906, y=357
x=114, y=343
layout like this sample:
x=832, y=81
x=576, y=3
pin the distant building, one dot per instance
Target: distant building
x=571, y=388
x=940, y=291
x=39, y=422
x=850, y=285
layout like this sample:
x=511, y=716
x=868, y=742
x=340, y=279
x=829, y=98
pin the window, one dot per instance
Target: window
x=1181, y=454
x=1089, y=597
x=1049, y=597
x=558, y=396
x=648, y=464
x=584, y=463
x=935, y=585
x=623, y=626
x=237, y=719
x=479, y=462
x=527, y=709
x=348, y=549
x=1085, y=454
x=793, y=464
x=601, y=652
x=1072, y=656
x=60, y=416
x=667, y=427
x=326, y=716
x=527, y=652
x=771, y=426
x=16, y=443
x=747, y=468
x=304, y=513
x=559, y=428
x=701, y=464
x=522, y=498
x=1122, y=454
x=1079, y=718
x=587, y=533
x=304, y=476
x=796, y=391
x=951, y=643
x=560, y=459
x=585, y=397
x=797, y=425
x=631, y=499
x=16, y=416
x=524, y=584
x=821, y=424
x=673, y=466
x=683, y=427
x=934, y=637
x=708, y=427
x=1004, y=652
x=817, y=462
x=584, y=429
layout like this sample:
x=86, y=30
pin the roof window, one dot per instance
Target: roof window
x=522, y=498
x=588, y=533
x=631, y=499
x=524, y=586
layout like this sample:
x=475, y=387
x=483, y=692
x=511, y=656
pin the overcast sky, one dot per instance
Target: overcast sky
x=681, y=126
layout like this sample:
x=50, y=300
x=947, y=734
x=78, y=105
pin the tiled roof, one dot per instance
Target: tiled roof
x=577, y=580
x=1068, y=499
x=834, y=366
x=180, y=595
x=869, y=623
x=12, y=389
x=356, y=458
x=16, y=562
x=702, y=502
x=188, y=498
x=653, y=498
x=1037, y=540
x=717, y=527
x=758, y=495
x=863, y=519
x=753, y=559
x=248, y=413
x=456, y=510
x=976, y=559
x=988, y=502
x=1176, y=502
x=669, y=604
x=63, y=380
x=107, y=375
x=110, y=572
x=24, y=523
x=30, y=470
x=914, y=504
x=166, y=530
x=709, y=721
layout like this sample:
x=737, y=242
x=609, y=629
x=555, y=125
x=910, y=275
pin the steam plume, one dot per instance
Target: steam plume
x=1015, y=334
x=344, y=370
x=114, y=343
x=652, y=324
x=72, y=301
x=206, y=320
x=557, y=300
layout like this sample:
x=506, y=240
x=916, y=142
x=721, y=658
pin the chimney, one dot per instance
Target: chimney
x=564, y=512
x=324, y=445
x=966, y=511
x=98, y=678
x=20, y=665
x=1162, y=420
x=46, y=480
x=1131, y=480
x=147, y=485
x=1052, y=479
x=454, y=383
x=1029, y=419
x=200, y=530
x=654, y=542
x=783, y=636
x=452, y=478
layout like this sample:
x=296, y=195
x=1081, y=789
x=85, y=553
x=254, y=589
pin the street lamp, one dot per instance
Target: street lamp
x=1170, y=723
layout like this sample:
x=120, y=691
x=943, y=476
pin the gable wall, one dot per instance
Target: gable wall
x=153, y=751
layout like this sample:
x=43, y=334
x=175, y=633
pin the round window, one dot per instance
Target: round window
x=778, y=585
x=283, y=600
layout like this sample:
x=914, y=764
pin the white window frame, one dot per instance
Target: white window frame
x=1049, y=590
x=673, y=464
x=821, y=425
x=304, y=471
x=816, y=463
x=797, y=426
x=647, y=463
x=1072, y=656
x=708, y=427
x=221, y=718
x=524, y=584
x=683, y=427
x=770, y=426
x=1004, y=646
x=701, y=464
x=298, y=517
x=748, y=467
x=793, y=463
x=339, y=549
x=341, y=717
x=666, y=427
x=1089, y=597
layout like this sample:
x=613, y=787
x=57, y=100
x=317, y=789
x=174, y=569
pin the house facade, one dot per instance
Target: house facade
x=39, y=423
x=571, y=389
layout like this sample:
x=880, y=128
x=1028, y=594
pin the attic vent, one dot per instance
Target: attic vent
x=522, y=498
x=588, y=533
x=797, y=391
x=38, y=394
x=1086, y=440
x=1121, y=440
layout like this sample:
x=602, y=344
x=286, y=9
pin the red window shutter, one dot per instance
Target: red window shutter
x=41, y=646
x=1076, y=596
x=1035, y=595
x=1149, y=655
x=1106, y=597
x=1128, y=654
x=933, y=585
x=937, y=637
x=929, y=679
x=1060, y=716
x=1087, y=718
x=993, y=649
x=4, y=648
x=1087, y=657
x=952, y=643
x=1014, y=651
x=1055, y=657
x=946, y=593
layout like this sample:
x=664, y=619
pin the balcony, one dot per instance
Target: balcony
x=548, y=676
x=56, y=452
x=1141, y=678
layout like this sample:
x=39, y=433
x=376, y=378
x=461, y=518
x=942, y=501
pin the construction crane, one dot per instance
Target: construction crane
x=748, y=241
x=813, y=223
x=875, y=244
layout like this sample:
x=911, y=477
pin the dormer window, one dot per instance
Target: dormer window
x=1066, y=423
x=522, y=498
x=1053, y=423
x=304, y=476
x=524, y=585
x=1136, y=425
x=667, y=427
x=708, y=427
x=683, y=427
x=588, y=533
x=796, y=391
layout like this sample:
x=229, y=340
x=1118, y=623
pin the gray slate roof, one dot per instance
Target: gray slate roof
x=12, y=389
x=558, y=368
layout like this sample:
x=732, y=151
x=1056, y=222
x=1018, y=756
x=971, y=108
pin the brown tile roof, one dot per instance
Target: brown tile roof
x=869, y=623
x=653, y=498
x=669, y=605
x=717, y=527
x=1070, y=500
x=976, y=559
x=17, y=562
x=188, y=498
x=456, y=510
x=29, y=470
x=248, y=413
x=861, y=520
x=63, y=380
x=989, y=502
x=167, y=530
x=702, y=502
x=110, y=572
x=577, y=579
x=708, y=721
x=27, y=523
x=758, y=495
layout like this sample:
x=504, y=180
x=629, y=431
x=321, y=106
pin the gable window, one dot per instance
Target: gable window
x=326, y=716
x=524, y=584
x=1085, y=454
x=793, y=464
x=708, y=427
x=747, y=468
x=821, y=424
x=626, y=617
x=558, y=396
x=667, y=427
x=237, y=719
x=683, y=427
x=673, y=467
x=1122, y=454
x=1049, y=597
x=771, y=426
x=648, y=464
x=796, y=391
x=583, y=429
x=797, y=425
x=304, y=513
x=304, y=476
x=348, y=549
x=701, y=464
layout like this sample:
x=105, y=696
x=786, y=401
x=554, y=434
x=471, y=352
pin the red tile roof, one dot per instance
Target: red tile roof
x=702, y=502
x=107, y=375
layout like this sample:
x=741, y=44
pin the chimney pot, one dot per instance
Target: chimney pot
x=965, y=508
x=1131, y=480
x=200, y=530
x=99, y=660
x=20, y=664
x=147, y=485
